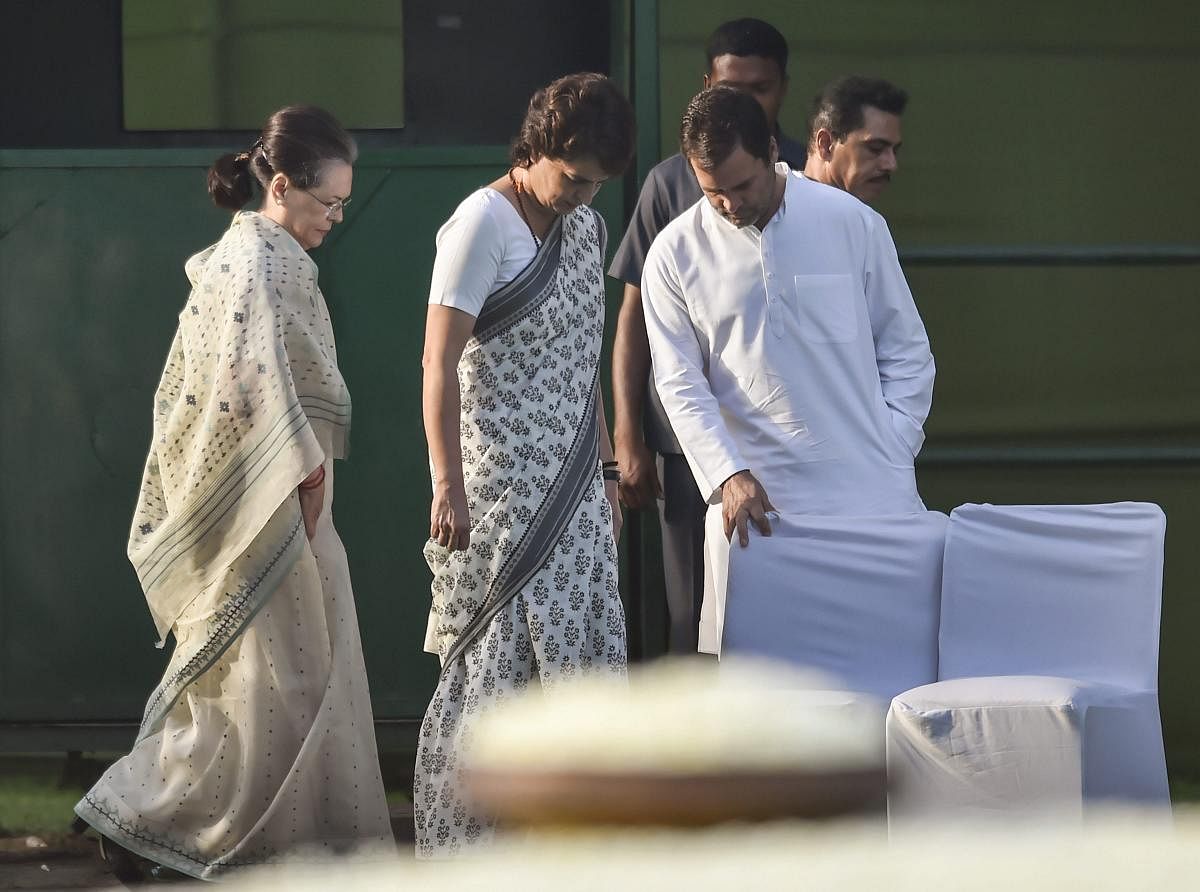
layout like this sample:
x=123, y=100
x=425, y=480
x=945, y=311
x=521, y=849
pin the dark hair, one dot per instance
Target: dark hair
x=717, y=121
x=296, y=141
x=748, y=37
x=577, y=115
x=838, y=108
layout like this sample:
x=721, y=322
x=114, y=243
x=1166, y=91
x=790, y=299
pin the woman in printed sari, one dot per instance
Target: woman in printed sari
x=525, y=516
x=258, y=744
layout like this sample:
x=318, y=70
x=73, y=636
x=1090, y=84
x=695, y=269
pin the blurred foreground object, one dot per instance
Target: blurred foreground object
x=685, y=743
x=1118, y=852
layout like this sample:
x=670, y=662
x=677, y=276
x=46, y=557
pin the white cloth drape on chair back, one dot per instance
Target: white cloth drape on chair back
x=1066, y=590
x=855, y=597
x=1048, y=665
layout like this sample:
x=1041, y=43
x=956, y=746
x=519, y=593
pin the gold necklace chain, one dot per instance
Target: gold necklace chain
x=521, y=207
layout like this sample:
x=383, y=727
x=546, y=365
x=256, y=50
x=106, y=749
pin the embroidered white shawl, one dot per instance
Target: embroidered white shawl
x=250, y=402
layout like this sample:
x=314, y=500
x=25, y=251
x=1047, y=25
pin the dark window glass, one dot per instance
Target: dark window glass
x=152, y=73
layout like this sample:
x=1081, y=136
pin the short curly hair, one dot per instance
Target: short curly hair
x=576, y=116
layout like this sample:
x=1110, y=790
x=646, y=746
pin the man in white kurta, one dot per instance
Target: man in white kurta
x=787, y=349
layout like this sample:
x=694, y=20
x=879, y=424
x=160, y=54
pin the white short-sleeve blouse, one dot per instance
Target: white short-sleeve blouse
x=483, y=246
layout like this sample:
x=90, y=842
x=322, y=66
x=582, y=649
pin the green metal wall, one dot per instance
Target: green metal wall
x=92, y=245
x=1056, y=126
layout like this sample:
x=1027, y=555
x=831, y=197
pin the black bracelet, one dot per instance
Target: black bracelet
x=611, y=474
x=609, y=464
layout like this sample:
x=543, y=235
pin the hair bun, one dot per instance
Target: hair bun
x=230, y=182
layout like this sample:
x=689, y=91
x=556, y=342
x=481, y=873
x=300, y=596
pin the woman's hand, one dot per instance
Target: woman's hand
x=312, y=500
x=446, y=332
x=614, y=500
x=449, y=519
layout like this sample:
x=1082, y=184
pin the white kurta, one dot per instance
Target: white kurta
x=796, y=352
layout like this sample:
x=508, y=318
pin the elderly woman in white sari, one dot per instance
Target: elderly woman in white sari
x=258, y=744
x=525, y=514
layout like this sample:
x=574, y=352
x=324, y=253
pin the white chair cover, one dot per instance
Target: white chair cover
x=855, y=597
x=1048, y=697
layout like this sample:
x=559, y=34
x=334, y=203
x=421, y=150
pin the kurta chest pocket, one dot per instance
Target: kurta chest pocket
x=826, y=309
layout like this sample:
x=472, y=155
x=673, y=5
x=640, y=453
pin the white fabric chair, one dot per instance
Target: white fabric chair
x=854, y=597
x=1048, y=698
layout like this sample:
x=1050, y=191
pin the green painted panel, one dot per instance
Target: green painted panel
x=232, y=64
x=92, y=247
x=90, y=283
x=1028, y=121
x=1061, y=353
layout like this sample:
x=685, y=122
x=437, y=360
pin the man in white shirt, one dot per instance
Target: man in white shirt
x=752, y=55
x=787, y=350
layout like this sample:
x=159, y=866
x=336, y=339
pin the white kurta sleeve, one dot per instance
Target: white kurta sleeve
x=901, y=346
x=679, y=377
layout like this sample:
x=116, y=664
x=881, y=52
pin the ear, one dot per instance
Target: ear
x=707, y=81
x=825, y=143
x=277, y=189
x=774, y=150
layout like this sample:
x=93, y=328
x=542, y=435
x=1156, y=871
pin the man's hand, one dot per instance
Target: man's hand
x=630, y=373
x=640, y=486
x=742, y=499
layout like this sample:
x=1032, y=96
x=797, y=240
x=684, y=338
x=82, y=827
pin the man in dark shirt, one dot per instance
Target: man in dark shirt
x=751, y=55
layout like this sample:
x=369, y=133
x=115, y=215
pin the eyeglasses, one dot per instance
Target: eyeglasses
x=331, y=207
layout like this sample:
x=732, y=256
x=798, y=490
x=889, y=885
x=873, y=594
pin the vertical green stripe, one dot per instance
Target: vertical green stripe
x=645, y=84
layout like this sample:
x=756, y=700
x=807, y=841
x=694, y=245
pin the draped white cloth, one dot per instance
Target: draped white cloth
x=855, y=597
x=258, y=744
x=1048, y=690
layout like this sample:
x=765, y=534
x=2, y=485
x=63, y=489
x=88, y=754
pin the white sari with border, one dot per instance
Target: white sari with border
x=258, y=744
x=534, y=599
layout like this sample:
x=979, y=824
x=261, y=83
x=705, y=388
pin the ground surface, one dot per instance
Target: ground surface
x=68, y=861
x=38, y=850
